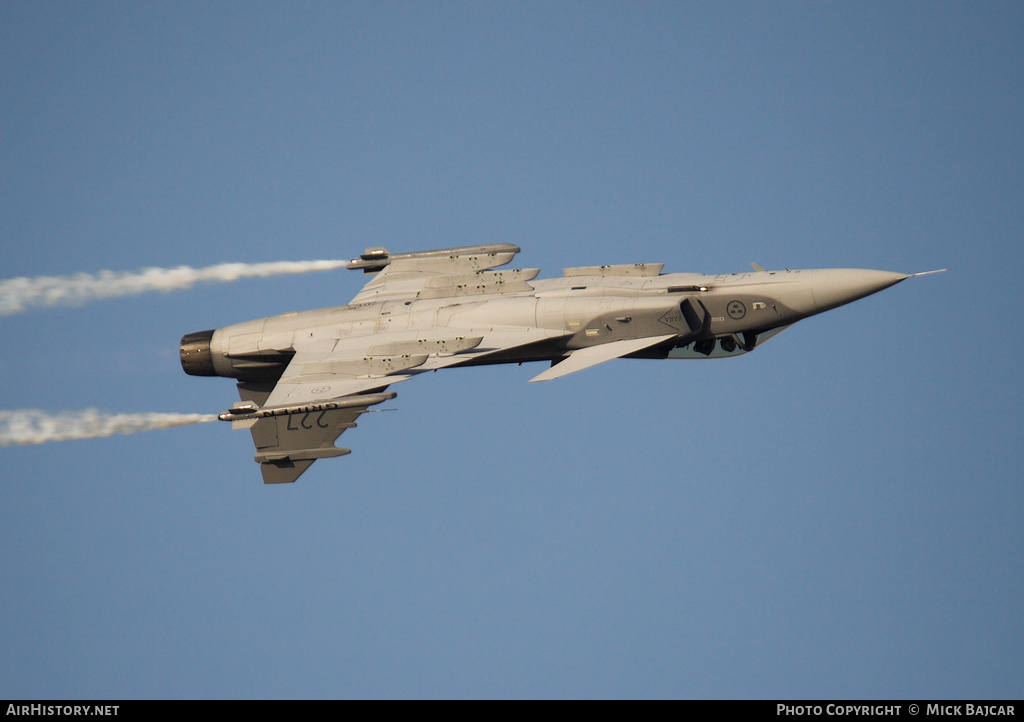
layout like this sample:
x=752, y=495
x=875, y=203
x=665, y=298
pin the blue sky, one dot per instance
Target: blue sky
x=836, y=515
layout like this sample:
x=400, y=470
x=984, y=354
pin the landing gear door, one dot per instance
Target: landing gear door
x=696, y=315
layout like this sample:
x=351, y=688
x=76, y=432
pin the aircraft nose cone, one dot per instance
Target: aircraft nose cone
x=837, y=286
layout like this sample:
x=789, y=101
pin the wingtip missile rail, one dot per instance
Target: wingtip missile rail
x=246, y=412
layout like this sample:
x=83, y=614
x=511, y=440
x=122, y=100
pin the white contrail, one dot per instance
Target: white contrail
x=20, y=294
x=32, y=426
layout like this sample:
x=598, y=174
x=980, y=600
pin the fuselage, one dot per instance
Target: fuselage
x=702, y=316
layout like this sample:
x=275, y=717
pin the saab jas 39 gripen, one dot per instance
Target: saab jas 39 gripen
x=304, y=378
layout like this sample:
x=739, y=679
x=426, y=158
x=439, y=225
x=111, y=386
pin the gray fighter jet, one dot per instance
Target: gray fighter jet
x=305, y=377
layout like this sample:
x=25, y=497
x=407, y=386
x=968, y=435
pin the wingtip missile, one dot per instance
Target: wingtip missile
x=370, y=260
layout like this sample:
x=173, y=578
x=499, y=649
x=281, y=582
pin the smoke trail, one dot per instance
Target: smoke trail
x=17, y=295
x=32, y=426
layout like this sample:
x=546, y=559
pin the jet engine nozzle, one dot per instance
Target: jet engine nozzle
x=196, y=358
